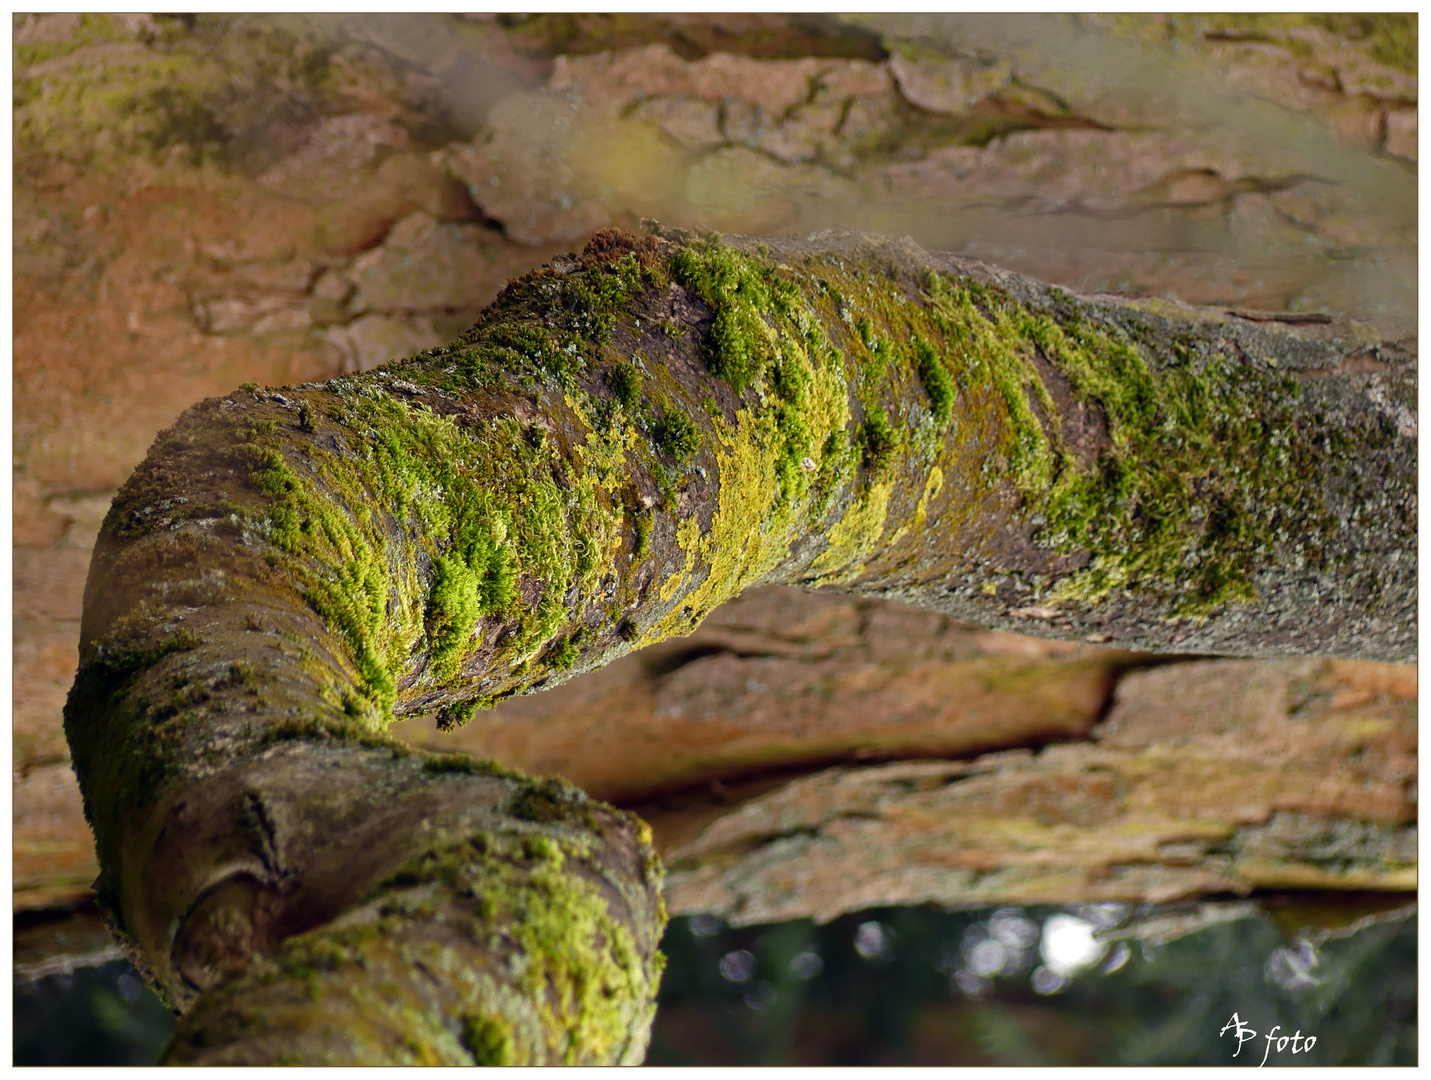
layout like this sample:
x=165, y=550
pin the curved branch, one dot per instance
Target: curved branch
x=624, y=441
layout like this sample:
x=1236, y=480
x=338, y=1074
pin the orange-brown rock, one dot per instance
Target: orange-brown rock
x=1207, y=777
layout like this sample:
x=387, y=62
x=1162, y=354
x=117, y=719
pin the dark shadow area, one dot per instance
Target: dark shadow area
x=916, y=986
x=93, y=1016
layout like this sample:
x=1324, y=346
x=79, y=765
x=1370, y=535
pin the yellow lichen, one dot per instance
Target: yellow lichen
x=853, y=538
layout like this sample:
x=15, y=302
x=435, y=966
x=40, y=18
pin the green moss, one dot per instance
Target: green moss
x=564, y=654
x=467, y=765
x=1193, y=488
x=352, y=594
x=768, y=335
x=574, y=986
x=116, y=663
x=477, y=579
x=551, y=799
x=597, y=297
x=439, y=549
x=742, y=292
x=739, y=545
x=584, y=961
x=938, y=383
x=455, y=714
x=676, y=434
x=487, y=508
x=853, y=538
x=489, y=1039
x=864, y=325
x=577, y=314
x=977, y=326
x=838, y=457
x=932, y=486
x=625, y=383
x=453, y=608
x=1181, y=503
x=641, y=524
x=543, y=849
x=879, y=439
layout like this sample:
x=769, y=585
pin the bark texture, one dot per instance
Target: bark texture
x=625, y=440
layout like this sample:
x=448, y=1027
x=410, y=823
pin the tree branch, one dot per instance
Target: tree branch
x=624, y=441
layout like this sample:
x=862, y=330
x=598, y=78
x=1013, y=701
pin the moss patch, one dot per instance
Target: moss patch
x=584, y=985
x=625, y=385
x=879, y=439
x=768, y=338
x=938, y=383
x=489, y=1039
x=484, y=512
x=744, y=293
x=853, y=538
x=676, y=434
x=1205, y=450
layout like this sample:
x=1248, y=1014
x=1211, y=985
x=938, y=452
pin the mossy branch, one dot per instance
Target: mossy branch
x=570, y=480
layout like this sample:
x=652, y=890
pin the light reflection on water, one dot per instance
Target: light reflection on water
x=1010, y=985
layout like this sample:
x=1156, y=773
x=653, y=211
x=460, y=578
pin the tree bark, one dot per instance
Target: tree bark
x=624, y=441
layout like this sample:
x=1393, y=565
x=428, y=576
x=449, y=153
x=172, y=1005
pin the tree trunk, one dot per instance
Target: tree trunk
x=624, y=441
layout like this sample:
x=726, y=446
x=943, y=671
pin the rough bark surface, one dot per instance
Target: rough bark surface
x=625, y=440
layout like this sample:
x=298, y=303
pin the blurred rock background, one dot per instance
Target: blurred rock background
x=202, y=200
